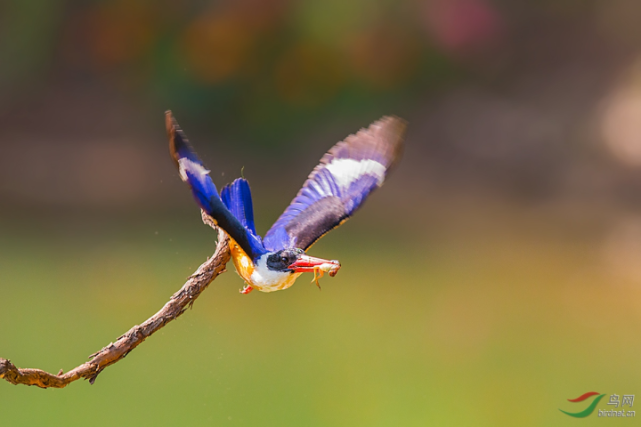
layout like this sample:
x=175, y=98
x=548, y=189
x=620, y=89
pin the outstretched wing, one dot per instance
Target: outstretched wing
x=339, y=185
x=194, y=173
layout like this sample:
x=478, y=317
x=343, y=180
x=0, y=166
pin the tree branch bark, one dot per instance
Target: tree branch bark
x=112, y=353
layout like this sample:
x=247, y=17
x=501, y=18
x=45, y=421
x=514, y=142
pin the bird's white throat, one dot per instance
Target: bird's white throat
x=267, y=280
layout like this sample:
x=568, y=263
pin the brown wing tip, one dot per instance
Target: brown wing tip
x=393, y=125
x=171, y=125
x=392, y=129
x=387, y=133
x=392, y=118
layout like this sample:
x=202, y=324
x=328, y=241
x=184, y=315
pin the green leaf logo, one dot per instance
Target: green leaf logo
x=587, y=411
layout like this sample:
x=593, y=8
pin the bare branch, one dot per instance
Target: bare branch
x=114, y=352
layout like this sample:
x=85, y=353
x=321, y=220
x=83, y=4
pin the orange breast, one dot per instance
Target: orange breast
x=244, y=264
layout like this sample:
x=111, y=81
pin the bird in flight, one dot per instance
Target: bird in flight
x=335, y=189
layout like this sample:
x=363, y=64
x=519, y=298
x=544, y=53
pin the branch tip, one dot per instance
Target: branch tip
x=114, y=352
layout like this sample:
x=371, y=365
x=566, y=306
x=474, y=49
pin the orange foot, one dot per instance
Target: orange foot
x=247, y=289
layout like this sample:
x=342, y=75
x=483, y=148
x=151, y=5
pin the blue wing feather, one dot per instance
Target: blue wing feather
x=339, y=185
x=194, y=173
x=238, y=199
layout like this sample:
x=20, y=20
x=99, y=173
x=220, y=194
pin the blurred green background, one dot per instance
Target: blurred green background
x=496, y=274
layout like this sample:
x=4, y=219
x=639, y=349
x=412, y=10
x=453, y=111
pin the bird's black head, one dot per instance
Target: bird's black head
x=281, y=260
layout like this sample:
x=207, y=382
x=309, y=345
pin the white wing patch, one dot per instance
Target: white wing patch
x=184, y=165
x=346, y=171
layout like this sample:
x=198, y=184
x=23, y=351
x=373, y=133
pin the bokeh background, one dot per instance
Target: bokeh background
x=495, y=275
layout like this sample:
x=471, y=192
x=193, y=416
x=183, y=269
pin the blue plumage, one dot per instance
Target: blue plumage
x=203, y=189
x=339, y=185
x=334, y=190
x=238, y=199
x=194, y=173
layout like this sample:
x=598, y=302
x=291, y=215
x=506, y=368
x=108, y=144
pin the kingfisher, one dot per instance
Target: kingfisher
x=334, y=190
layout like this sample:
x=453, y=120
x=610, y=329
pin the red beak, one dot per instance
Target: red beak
x=308, y=264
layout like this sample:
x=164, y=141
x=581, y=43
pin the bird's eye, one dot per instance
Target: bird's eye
x=284, y=259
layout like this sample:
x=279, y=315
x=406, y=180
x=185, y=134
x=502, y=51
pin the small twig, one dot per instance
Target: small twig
x=114, y=352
